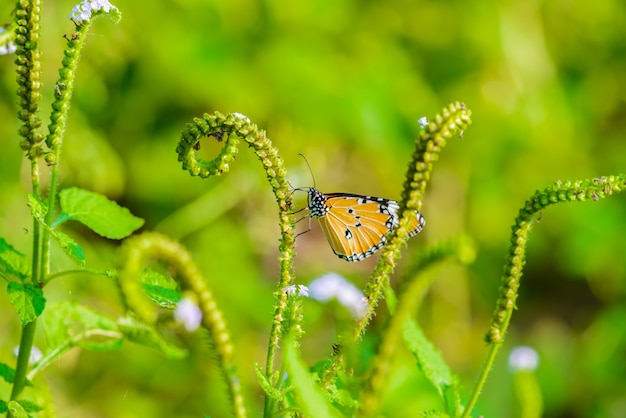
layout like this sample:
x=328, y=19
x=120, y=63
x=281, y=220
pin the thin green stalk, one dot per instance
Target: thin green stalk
x=482, y=378
x=26, y=344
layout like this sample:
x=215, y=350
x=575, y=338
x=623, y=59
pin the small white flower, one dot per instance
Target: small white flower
x=189, y=314
x=523, y=359
x=35, y=354
x=7, y=48
x=83, y=11
x=334, y=286
x=241, y=116
x=423, y=121
x=299, y=289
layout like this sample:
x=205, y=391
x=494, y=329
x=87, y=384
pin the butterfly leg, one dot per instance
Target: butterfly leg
x=310, y=224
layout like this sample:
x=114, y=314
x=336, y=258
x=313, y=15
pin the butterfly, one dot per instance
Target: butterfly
x=356, y=226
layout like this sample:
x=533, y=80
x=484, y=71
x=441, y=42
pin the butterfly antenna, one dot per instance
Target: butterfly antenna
x=308, y=165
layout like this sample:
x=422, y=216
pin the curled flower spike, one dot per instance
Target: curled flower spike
x=591, y=189
x=432, y=139
x=230, y=130
x=334, y=286
x=582, y=190
x=136, y=253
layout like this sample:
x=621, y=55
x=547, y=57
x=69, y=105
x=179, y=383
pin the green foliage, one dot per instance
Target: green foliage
x=16, y=410
x=7, y=373
x=342, y=83
x=28, y=300
x=138, y=332
x=435, y=369
x=161, y=289
x=101, y=215
x=71, y=325
x=310, y=397
x=12, y=261
x=69, y=246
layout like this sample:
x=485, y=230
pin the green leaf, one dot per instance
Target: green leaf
x=161, y=289
x=68, y=324
x=434, y=367
x=101, y=215
x=37, y=208
x=310, y=397
x=27, y=299
x=13, y=261
x=16, y=410
x=68, y=245
x=4, y=407
x=143, y=334
x=29, y=406
x=7, y=373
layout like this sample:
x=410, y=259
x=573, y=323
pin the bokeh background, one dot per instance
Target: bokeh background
x=344, y=82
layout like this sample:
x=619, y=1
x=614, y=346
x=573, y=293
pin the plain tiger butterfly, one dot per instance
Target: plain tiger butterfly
x=355, y=226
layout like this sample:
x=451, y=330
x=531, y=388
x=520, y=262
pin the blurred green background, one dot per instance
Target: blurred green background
x=344, y=83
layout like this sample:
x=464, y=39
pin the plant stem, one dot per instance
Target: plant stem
x=26, y=344
x=482, y=378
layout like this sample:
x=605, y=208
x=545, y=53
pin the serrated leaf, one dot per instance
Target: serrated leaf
x=310, y=397
x=13, y=261
x=101, y=215
x=140, y=333
x=27, y=299
x=37, y=208
x=161, y=289
x=7, y=373
x=16, y=410
x=70, y=324
x=434, y=367
x=68, y=245
x=29, y=406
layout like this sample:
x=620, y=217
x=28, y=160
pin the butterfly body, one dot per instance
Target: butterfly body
x=356, y=226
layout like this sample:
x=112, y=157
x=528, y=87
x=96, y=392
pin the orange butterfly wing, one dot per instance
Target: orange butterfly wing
x=356, y=226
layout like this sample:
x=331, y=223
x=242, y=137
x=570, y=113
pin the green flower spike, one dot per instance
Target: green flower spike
x=593, y=189
x=230, y=129
x=452, y=120
x=136, y=253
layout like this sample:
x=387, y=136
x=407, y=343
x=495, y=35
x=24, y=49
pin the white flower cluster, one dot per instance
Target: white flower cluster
x=189, y=314
x=82, y=12
x=241, y=116
x=299, y=289
x=334, y=286
x=523, y=359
